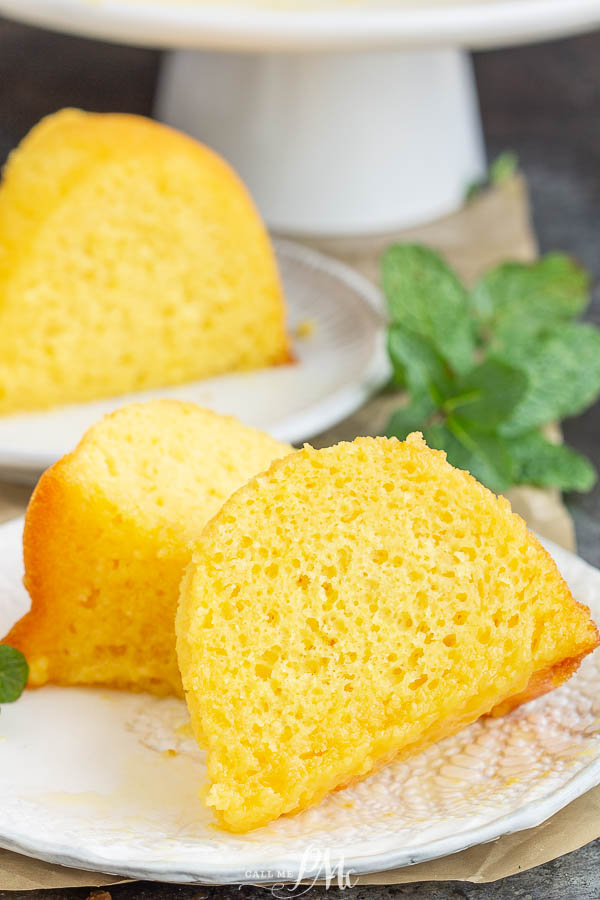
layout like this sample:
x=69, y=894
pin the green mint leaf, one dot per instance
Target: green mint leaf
x=503, y=168
x=488, y=395
x=14, y=672
x=563, y=367
x=426, y=297
x=517, y=298
x=413, y=417
x=486, y=456
x=538, y=461
x=416, y=362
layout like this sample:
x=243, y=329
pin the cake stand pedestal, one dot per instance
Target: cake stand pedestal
x=334, y=143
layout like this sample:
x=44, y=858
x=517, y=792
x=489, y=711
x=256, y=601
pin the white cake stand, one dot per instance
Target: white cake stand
x=345, y=119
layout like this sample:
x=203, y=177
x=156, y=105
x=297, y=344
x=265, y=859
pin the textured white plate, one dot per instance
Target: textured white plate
x=337, y=368
x=85, y=780
x=311, y=24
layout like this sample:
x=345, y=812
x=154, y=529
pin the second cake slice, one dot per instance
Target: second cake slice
x=108, y=533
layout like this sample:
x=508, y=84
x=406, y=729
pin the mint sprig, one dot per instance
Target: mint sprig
x=487, y=369
x=14, y=672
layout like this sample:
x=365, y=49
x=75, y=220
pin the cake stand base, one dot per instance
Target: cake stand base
x=334, y=144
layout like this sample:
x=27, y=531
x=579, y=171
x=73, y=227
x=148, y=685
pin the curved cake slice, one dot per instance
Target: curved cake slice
x=108, y=533
x=354, y=604
x=131, y=256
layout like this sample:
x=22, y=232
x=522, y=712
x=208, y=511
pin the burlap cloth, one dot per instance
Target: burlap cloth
x=494, y=227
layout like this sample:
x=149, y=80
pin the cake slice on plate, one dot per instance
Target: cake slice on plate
x=131, y=257
x=352, y=605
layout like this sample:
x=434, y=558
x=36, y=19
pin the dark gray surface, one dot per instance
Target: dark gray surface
x=544, y=102
x=555, y=881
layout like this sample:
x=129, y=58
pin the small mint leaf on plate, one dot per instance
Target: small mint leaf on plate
x=14, y=672
x=413, y=417
x=488, y=395
x=425, y=296
x=563, y=368
x=486, y=456
x=545, y=464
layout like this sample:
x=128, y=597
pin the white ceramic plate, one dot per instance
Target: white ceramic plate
x=86, y=781
x=337, y=368
x=311, y=24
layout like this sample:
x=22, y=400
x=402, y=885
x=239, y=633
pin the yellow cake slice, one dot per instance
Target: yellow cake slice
x=355, y=604
x=108, y=533
x=131, y=257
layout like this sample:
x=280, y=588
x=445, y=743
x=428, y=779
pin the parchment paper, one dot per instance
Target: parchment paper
x=493, y=228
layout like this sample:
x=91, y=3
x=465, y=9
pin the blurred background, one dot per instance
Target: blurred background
x=541, y=101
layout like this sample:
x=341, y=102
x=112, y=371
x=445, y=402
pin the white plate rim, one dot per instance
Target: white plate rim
x=478, y=25
x=529, y=815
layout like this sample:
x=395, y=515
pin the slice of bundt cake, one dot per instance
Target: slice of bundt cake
x=131, y=257
x=108, y=533
x=354, y=604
